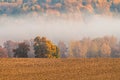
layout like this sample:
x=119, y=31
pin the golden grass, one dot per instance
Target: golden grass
x=59, y=69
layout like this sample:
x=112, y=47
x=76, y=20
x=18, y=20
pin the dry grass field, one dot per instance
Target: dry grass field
x=59, y=69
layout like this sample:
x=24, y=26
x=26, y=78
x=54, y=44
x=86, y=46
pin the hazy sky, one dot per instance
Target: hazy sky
x=22, y=28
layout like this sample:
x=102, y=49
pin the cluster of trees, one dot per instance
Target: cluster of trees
x=107, y=46
x=59, y=7
x=40, y=47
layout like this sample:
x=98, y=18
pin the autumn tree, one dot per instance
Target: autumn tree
x=9, y=46
x=63, y=49
x=111, y=40
x=3, y=53
x=115, y=52
x=45, y=48
x=93, y=50
x=31, y=51
x=21, y=51
x=85, y=43
x=105, y=50
x=74, y=49
x=79, y=48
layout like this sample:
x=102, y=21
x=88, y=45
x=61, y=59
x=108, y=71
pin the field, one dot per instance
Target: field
x=59, y=69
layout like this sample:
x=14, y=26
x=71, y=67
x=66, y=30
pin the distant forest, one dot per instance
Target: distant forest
x=77, y=8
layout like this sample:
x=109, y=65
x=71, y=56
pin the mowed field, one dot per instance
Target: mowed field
x=59, y=69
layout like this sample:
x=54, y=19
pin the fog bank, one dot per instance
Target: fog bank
x=22, y=28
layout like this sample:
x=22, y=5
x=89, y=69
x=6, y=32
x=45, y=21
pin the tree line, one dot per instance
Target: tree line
x=107, y=46
x=41, y=47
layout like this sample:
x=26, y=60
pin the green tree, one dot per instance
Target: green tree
x=21, y=51
x=45, y=48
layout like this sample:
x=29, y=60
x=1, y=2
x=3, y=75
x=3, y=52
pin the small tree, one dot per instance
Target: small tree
x=21, y=51
x=45, y=48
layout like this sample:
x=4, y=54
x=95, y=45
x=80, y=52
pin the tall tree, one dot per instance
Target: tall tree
x=21, y=51
x=3, y=53
x=105, y=50
x=93, y=50
x=10, y=45
x=45, y=48
x=63, y=49
x=74, y=49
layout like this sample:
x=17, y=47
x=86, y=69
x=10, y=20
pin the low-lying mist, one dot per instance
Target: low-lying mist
x=21, y=28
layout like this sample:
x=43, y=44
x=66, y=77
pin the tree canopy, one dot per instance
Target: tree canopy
x=45, y=48
x=21, y=51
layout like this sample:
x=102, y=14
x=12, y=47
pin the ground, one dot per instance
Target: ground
x=59, y=69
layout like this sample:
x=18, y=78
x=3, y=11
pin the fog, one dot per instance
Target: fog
x=22, y=28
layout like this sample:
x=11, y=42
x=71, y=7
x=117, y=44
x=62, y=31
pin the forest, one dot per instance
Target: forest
x=41, y=47
x=60, y=8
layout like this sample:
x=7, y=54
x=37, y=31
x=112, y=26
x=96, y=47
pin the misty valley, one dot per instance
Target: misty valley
x=59, y=39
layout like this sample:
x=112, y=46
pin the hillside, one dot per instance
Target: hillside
x=76, y=8
x=59, y=69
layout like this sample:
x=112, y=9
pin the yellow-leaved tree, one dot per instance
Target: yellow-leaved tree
x=45, y=48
